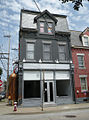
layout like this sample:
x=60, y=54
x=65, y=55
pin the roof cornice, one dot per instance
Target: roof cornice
x=42, y=14
x=80, y=47
x=36, y=12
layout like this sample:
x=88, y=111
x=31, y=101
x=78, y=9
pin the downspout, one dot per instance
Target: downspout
x=71, y=69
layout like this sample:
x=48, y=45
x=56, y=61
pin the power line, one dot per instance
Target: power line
x=40, y=12
x=37, y=6
x=2, y=54
x=3, y=65
x=3, y=76
x=43, y=15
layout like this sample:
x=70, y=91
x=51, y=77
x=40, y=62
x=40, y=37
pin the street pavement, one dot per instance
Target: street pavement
x=82, y=114
x=8, y=110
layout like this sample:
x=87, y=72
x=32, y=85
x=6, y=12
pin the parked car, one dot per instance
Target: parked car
x=2, y=95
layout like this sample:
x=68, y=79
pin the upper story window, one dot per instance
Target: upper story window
x=46, y=27
x=81, y=61
x=62, y=52
x=50, y=28
x=42, y=30
x=46, y=22
x=30, y=51
x=46, y=52
x=86, y=43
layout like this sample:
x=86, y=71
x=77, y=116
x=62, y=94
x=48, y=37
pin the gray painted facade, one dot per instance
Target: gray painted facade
x=28, y=21
x=51, y=78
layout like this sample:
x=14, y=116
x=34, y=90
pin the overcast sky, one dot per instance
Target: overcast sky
x=10, y=19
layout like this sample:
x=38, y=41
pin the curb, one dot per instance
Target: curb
x=44, y=112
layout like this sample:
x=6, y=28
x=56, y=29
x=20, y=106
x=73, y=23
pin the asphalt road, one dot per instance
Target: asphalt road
x=69, y=115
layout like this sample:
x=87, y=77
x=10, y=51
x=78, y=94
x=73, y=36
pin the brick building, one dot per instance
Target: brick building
x=80, y=57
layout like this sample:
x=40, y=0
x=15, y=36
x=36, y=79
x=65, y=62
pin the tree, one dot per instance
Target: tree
x=77, y=3
x=5, y=84
x=0, y=71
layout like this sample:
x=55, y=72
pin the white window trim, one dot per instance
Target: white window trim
x=45, y=27
x=61, y=43
x=86, y=84
x=83, y=40
x=49, y=51
x=85, y=35
x=61, y=52
x=82, y=76
x=30, y=41
x=46, y=42
x=26, y=49
x=81, y=54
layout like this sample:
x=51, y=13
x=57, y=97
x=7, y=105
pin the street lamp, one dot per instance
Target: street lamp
x=40, y=61
x=57, y=61
x=72, y=77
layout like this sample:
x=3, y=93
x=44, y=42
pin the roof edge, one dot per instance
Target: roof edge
x=36, y=12
x=80, y=47
x=45, y=12
x=74, y=31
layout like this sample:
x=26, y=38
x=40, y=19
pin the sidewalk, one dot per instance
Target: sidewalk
x=8, y=110
x=60, y=108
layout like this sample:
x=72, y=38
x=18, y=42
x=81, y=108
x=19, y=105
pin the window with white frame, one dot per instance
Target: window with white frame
x=62, y=52
x=46, y=52
x=83, y=81
x=81, y=61
x=86, y=43
x=30, y=51
x=46, y=27
x=42, y=30
x=49, y=28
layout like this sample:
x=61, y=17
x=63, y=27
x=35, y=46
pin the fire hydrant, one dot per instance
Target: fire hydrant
x=15, y=106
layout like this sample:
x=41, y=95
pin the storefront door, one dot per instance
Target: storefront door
x=48, y=91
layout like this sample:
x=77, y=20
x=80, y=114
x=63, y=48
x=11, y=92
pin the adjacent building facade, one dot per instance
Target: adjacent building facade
x=45, y=73
x=80, y=56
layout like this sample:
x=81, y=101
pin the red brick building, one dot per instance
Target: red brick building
x=80, y=57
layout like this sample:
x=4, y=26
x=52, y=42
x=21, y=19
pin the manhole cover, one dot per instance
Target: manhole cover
x=70, y=116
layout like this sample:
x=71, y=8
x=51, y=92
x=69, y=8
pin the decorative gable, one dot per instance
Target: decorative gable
x=45, y=15
x=85, y=37
x=85, y=32
x=45, y=23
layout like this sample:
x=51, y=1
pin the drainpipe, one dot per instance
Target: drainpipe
x=71, y=68
x=73, y=83
x=43, y=91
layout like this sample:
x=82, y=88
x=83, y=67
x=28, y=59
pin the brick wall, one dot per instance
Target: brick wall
x=78, y=71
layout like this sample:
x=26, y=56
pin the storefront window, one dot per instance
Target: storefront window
x=31, y=89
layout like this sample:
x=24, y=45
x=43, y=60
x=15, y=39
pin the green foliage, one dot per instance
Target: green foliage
x=77, y=3
x=0, y=71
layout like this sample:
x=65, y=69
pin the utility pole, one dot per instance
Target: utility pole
x=3, y=56
x=8, y=36
x=43, y=92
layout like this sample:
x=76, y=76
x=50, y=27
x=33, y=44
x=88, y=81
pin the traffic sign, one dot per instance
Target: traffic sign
x=0, y=83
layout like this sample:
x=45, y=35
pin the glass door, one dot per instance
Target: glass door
x=48, y=91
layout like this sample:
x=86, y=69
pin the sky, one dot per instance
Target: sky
x=10, y=20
